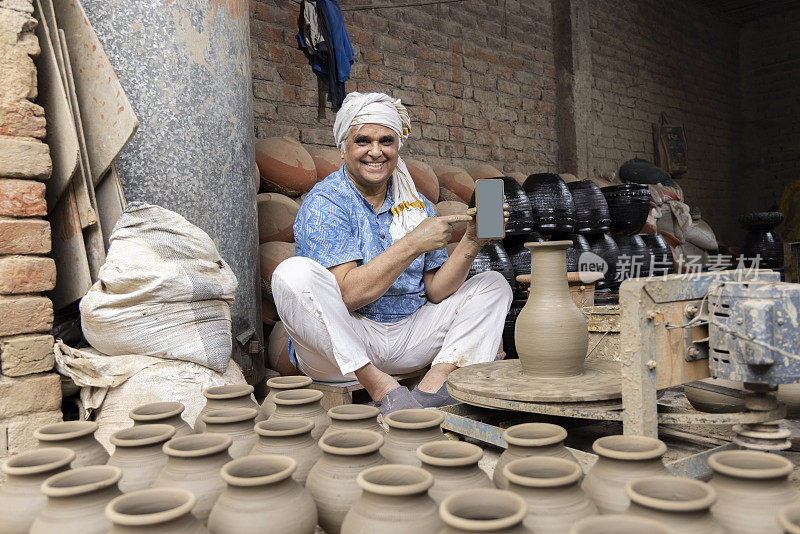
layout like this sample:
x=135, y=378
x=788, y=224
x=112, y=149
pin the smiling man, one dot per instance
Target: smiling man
x=371, y=291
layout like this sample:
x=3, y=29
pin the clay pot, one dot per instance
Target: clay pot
x=332, y=480
x=519, y=220
x=138, y=454
x=194, y=463
x=518, y=176
x=551, y=335
x=628, y=207
x=270, y=255
x=520, y=256
x=762, y=242
x=551, y=488
x=551, y=203
x=75, y=435
x=752, y=486
x=286, y=167
x=604, y=246
x=354, y=416
x=591, y=209
x=290, y=437
x=634, y=257
x=302, y=404
x=223, y=397
x=154, y=511
x=424, y=178
x=663, y=261
x=454, y=183
x=237, y=423
x=681, y=503
x=269, y=314
x=20, y=498
x=77, y=499
x=454, y=466
x=261, y=493
x=712, y=402
x=278, y=358
x=276, y=215
x=789, y=519
x=484, y=170
x=161, y=413
x=453, y=207
x=408, y=429
x=620, y=459
x=326, y=160
x=617, y=523
x=492, y=257
x=531, y=439
x=394, y=500
x=490, y=511
x=276, y=384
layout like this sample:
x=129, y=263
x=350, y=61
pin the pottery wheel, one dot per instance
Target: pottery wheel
x=601, y=380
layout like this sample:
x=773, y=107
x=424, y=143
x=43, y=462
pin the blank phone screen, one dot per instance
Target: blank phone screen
x=489, y=201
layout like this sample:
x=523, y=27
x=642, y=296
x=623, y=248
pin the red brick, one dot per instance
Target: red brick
x=22, y=198
x=26, y=274
x=22, y=118
x=24, y=236
x=24, y=315
x=291, y=75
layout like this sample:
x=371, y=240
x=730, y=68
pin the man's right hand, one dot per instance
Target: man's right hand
x=434, y=232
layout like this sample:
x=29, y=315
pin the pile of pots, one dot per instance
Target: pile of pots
x=762, y=248
x=303, y=467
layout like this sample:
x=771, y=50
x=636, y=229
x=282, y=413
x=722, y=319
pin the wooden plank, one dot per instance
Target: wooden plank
x=61, y=135
x=108, y=117
x=110, y=202
x=69, y=252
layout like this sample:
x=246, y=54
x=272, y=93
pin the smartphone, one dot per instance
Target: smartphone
x=489, y=201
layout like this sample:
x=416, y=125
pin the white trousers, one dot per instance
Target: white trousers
x=330, y=342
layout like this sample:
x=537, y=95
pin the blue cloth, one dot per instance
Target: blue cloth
x=343, y=49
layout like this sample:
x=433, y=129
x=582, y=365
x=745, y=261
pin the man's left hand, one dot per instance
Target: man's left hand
x=471, y=235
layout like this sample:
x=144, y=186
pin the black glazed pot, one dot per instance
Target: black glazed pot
x=591, y=209
x=519, y=208
x=763, y=220
x=551, y=203
x=579, y=245
x=604, y=246
x=628, y=207
x=634, y=257
x=641, y=171
x=493, y=257
x=663, y=261
x=761, y=242
x=509, y=345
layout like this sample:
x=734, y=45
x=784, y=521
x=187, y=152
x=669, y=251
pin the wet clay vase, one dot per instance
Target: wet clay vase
x=277, y=384
x=408, y=429
x=510, y=324
x=621, y=459
x=290, y=437
x=221, y=397
x=77, y=499
x=75, y=435
x=551, y=335
x=552, y=489
x=194, y=463
x=332, y=480
x=354, y=416
x=302, y=404
x=483, y=510
x=138, y=453
x=618, y=524
x=20, y=498
x=261, y=495
x=394, y=500
x=752, y=486
x=531, y=439
x=591, y=209
x=238, y=423
x=454, y=466
x=681, y=503
x=551, y=203
x=789, y=518
x=154, y=511
x=161, y=413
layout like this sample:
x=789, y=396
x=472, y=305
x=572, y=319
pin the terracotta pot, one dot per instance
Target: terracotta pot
x=551, y=335
x=424, y=178
x=75, y=435
x=270, y=255
x=194, y=463
x=332, y=480
x=454, y=466
x=223, y=397
x=453, y=207
x=712, y=402
x=752, y=486
x=77, y=499
x=551, y=488
x=154, y=511
x=408, y=429
x=681, y=503
x=302, y=404
x=261, y=493
x=454, y=183
x=286, y=167
x=162, y=413
x=20, y=498
x=138, y=454
x=518, y=176
x=237, y=423
x=620, y=459
x=276, y=215
x=617, y=524
x=277, y=384
x=394, y=500
x=484, y=170
x=291, y=437
x=530, y=439
x=483, y=510
x=789, y=519
x=326, y=160
x=278, y=358
x=354, y=416
x=269, y=315
x=551, y=202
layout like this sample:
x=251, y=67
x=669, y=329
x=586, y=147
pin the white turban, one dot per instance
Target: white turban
x=380, y=108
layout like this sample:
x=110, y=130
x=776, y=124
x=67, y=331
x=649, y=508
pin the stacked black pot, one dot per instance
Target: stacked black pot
x=762, y=247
